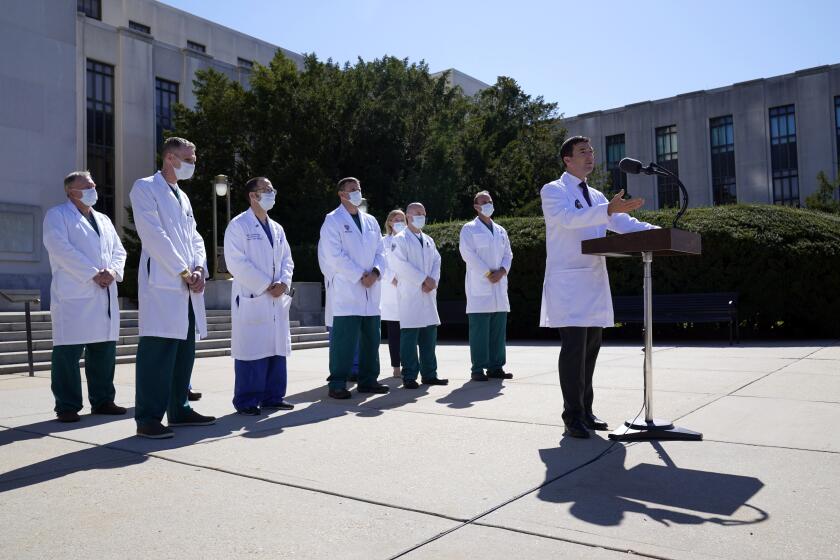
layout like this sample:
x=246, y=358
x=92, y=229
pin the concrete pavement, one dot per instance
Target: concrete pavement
x=469, y=470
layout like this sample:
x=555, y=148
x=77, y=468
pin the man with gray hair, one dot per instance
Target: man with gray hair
x=87, y=260
x=416, y=262
x=171, y=294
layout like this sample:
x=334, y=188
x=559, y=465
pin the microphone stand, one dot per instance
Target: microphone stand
x=659, y=170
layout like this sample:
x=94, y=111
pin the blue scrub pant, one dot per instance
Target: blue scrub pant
x=259, y=382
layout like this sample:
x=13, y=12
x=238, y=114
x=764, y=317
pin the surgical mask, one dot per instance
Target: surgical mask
x=89, y=197
x=356, y=198
x=487, y=209
x=185, y=171
x=418, y=221
x=266, y=201
x=398, y=226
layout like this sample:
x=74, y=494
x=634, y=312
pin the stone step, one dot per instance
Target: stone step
x=219, y=330
x=130, y=358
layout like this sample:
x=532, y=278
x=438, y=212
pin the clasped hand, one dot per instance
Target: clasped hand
x=195, y=281
x=428, y=285
x=104, y=278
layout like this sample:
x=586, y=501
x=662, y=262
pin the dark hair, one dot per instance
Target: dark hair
x=174, y=143
x=342, y=182
x=568, y=147
x=253, y=184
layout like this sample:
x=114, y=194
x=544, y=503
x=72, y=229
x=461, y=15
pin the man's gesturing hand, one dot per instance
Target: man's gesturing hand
x=620, y=205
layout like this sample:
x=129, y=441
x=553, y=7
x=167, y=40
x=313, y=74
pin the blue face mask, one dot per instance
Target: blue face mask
x=266, y=200
x=89, y=197
x=418, y=221
x=398, y=227
x=356, y=198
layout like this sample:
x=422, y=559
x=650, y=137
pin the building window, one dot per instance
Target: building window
x=615, y=153
x=245, y=63
x=100, y=132
x=783, y=156
x=139, y=27
x=197, y=47
x=91, y=8
x=666, y=156
x=166, y=95
x=722, y=137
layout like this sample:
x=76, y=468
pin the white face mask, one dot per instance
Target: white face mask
x=418, y=221
x=355, y=198
x=89, y=197
x=398, y=227
x=266, y=201
x=185, y=171
x=487, y=209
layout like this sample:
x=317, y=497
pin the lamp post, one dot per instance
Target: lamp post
x=221, y=187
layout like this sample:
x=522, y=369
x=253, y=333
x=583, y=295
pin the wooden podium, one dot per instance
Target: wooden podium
x=666, y=242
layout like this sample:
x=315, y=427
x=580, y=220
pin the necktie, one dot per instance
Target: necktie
x=585, y=188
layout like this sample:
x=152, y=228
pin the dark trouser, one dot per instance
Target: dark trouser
x=487, y=341
x=259, y=382
x=425, y=338
x=349, y=333
x=164, y=367
x=393, y=328
x=578, y=352
x=66, y=375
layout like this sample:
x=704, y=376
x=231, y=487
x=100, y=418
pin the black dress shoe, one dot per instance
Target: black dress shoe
x=193, y=418
x=499, y=374
x=249, y=411
x=339, y=394
x=108, y=408
x=576, y=429
x=593, y=422
x=410, y=384
x=478, y=376
x=435, y=381
x=379, y=389
x=281, y=405
x=193, y=396
x=67, y=416
x=154, y=431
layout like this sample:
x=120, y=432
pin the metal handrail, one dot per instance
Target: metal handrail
x=27, y=301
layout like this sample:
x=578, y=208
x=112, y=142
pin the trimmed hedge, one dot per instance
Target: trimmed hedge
x=783, y=262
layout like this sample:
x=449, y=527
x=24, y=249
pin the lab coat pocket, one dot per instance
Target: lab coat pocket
x=256, y=311
x=479, y=285
x=160, y=278
x=69, y=287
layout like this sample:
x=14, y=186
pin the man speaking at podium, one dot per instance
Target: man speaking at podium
x=576, y=292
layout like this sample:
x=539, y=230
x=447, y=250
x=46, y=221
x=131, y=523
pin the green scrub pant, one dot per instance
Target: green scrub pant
x=66, y=375
x=164, y=367
x=487, y=341
x=410, y=339
x=348, y=332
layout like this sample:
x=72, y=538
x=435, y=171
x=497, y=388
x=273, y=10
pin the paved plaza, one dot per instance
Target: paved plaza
x=472, y=470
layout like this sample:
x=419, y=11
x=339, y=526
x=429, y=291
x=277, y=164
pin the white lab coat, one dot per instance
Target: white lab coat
x=412, y=263
x=390, y=302
x=576, y=289
x=260, y=321
x=78, y=306
x=484, y=251
x=171, y=244
x=344, y=254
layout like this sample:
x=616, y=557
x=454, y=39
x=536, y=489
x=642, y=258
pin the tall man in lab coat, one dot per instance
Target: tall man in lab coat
x=416, y=262
x=87, y=260
x=171, y=294
x=257, y=253
x=576, y=291
x=485, y=247
x=352, y=259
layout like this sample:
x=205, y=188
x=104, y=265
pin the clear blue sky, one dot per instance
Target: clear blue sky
x=584, y=55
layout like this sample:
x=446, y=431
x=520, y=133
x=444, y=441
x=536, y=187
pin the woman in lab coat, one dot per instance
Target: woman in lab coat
x=389, y=305
x=257, y=253
x=87, y=260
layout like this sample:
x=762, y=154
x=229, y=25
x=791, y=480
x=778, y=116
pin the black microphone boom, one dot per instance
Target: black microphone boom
x=634, y=167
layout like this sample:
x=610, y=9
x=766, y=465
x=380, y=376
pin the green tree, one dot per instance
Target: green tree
x=827, y=196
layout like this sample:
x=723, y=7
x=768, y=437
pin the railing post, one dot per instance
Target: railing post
x=29, y=339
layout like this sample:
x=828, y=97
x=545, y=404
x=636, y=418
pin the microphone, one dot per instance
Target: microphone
x=634, y=167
